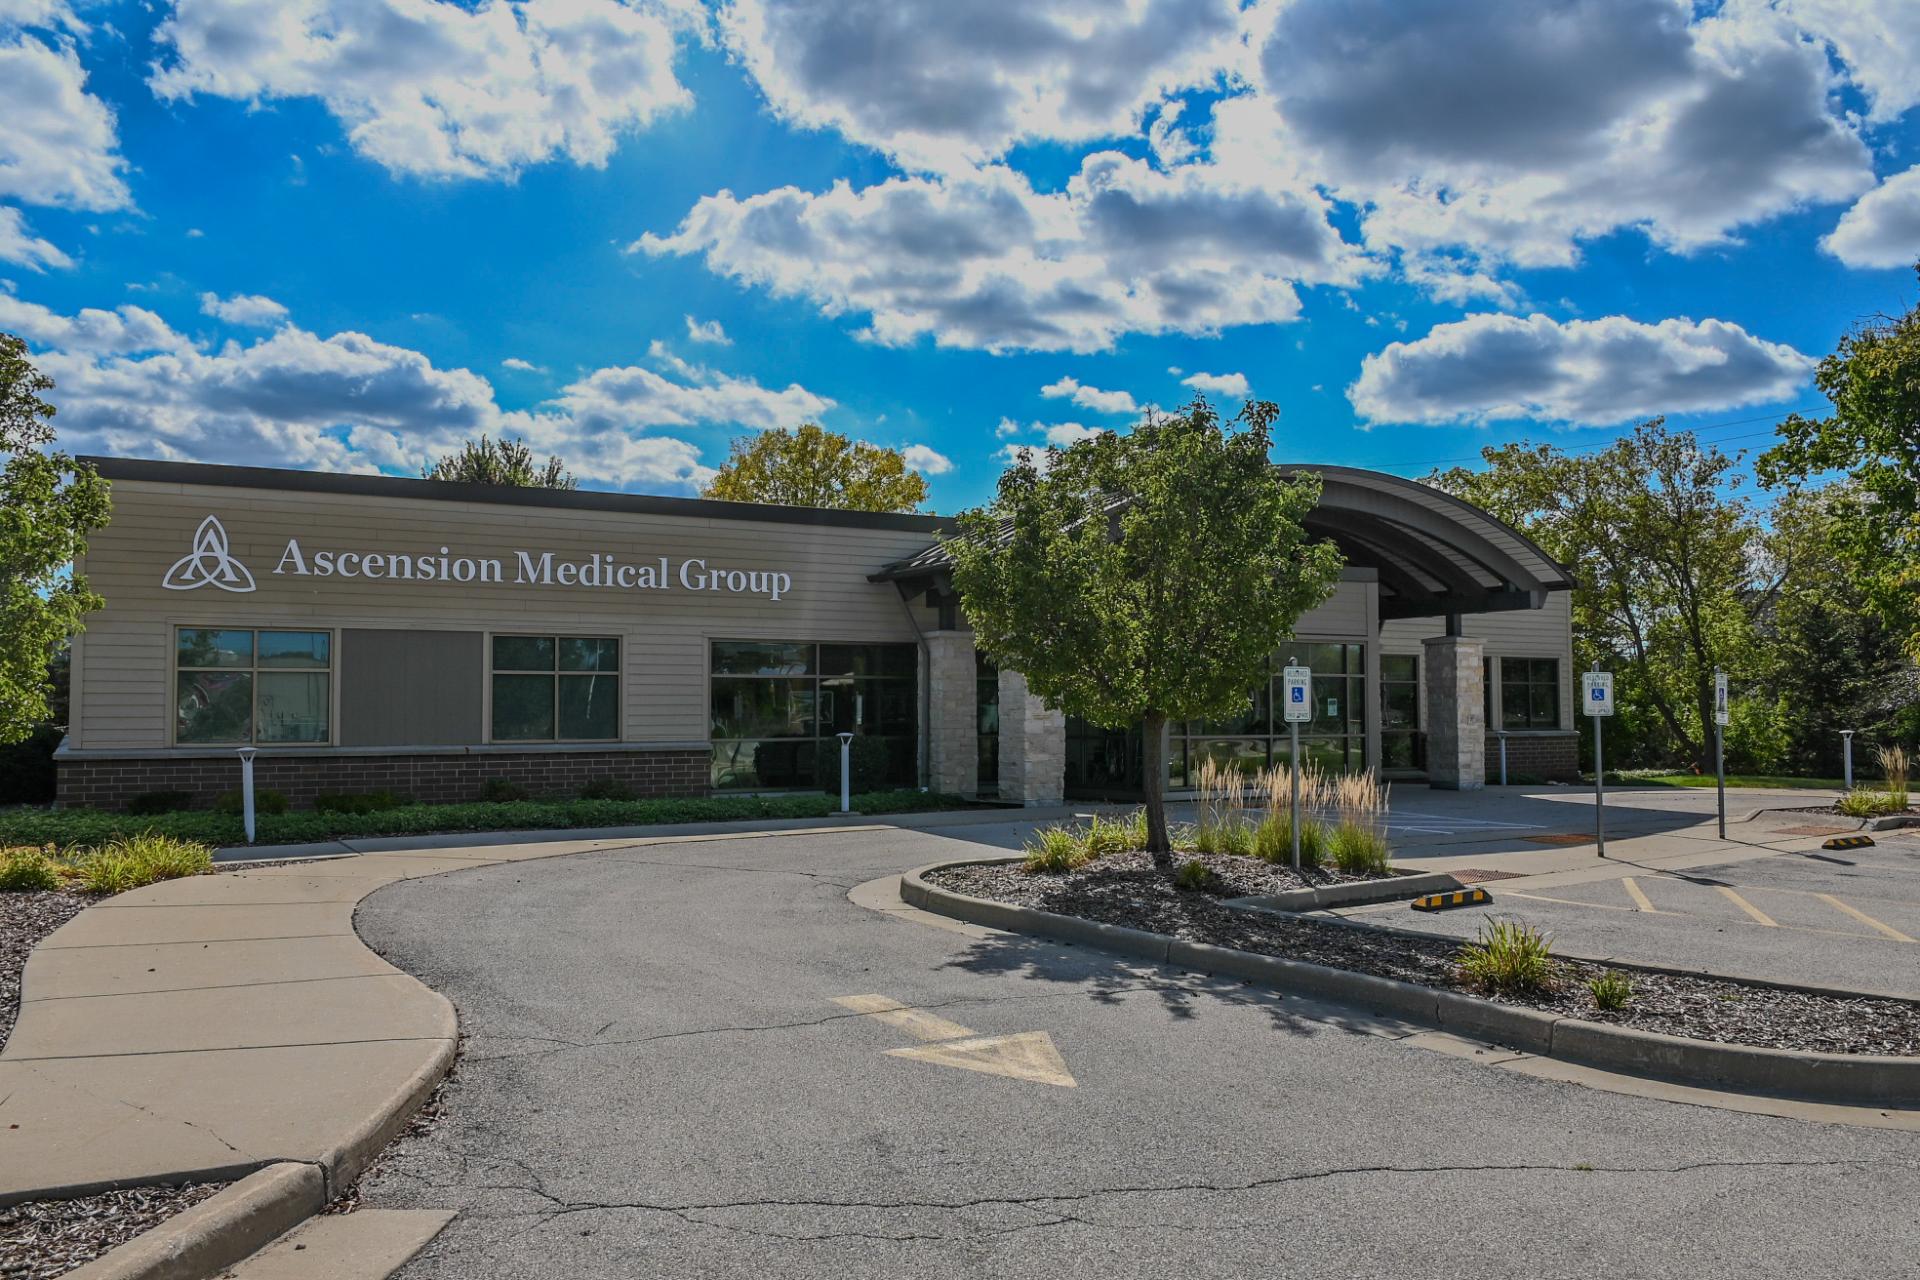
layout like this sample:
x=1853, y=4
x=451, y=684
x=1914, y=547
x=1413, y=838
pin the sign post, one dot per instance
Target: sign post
x=1722, y=713
x=1297, y=704
x=1596, y=696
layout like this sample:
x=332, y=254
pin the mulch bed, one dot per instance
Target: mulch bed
x=46, y=1238
x=25, y=918
x=1125, y=890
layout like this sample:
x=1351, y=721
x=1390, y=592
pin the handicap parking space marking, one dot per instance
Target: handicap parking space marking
x=1885, y=929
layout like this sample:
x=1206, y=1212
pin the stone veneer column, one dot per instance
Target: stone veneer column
x=1033, y=745
x=953, y=728
x=1456, y=716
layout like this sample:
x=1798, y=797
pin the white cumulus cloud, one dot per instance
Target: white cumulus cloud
x=1218, y=384
x=1588, y=372
x=1091, y=397
x=128, y=383
x=707, y=331
x=943, y=86
x=436, y=89
x=21, y=247
x=250, y=309
x=926, y=460
x=58, y=145
x=518, y=365
x=1883, y=229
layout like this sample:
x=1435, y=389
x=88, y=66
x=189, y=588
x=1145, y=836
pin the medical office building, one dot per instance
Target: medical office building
x=368, y=633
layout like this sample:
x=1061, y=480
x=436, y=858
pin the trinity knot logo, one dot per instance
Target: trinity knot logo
x=210, y=563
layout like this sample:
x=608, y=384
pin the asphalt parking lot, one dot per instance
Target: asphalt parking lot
x=702, y=1059
x=1846, y=919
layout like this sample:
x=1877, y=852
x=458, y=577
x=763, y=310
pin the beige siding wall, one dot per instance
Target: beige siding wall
x=124, y=673
x=1531, y=633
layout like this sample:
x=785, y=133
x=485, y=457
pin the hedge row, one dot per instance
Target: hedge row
x=82, y=828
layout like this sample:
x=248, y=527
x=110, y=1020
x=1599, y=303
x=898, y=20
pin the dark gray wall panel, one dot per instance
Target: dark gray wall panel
x=410, y=688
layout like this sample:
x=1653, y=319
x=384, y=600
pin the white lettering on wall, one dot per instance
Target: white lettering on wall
x=599, y=571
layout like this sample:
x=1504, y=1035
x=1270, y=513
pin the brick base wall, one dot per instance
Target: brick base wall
x=449, y=778
x=1555, y=757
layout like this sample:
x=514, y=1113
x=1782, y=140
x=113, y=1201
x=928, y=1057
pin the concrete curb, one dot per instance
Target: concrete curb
x=1352, y=893
x=217, y=1232
x=1860, y=1080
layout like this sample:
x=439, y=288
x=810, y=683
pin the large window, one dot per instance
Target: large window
x=1530, y=693
x=239, y=686
x=774, y=706
x=1335, y=739
x=556, y=689
x=1400, y=745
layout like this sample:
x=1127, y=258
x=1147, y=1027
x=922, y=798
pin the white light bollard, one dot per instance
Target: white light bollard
x=846, y=772
x=246, y=789
x=1502, y=735
x=1846, y=739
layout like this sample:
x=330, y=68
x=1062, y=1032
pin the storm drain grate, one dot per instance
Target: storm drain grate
x=1480, y=875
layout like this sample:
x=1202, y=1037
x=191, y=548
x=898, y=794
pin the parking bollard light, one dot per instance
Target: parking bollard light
x=246, y=790
x=846, y=772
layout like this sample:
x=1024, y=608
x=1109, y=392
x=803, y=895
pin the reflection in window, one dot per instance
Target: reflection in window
x=1400, y=743
x=556, y=689
x=234, y=686
x=1529, y=693
x=775, y=706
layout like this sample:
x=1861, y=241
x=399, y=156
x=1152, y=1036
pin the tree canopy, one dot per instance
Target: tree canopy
x=813, y=467
x=48, y=506
x=508, y=462
x=1873, y=381
x=1139, y=578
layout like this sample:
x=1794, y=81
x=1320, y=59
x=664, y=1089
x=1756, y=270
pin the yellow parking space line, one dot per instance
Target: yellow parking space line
x=1565, y=902
x=1634, y=891
x=1863, y=917
x=1759, y=916
x=915, y=1022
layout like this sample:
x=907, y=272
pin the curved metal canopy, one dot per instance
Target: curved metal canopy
x=1435, y=555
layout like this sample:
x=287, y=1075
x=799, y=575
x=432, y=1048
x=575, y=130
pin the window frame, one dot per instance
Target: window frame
x=1531, y=683
x=253, y=671
x=823, y=686
x=557, y=674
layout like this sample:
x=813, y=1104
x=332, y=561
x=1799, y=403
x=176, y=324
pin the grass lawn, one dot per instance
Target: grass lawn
x=66, y=829
x=1733, y=780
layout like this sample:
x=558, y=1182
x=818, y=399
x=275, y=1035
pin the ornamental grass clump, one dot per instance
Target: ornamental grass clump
x=1221, y=822
x=138, y=861
x=1055, y=851
x=1194, y=876
x=1273, y=840
x=1893, y=766
x=1509, y=958
x=1115, y=835
x=28, y=870
x=1358, y=850
x=1611, y=991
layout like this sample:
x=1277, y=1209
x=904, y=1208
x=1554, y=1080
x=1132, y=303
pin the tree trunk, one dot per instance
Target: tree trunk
x=1154, y=781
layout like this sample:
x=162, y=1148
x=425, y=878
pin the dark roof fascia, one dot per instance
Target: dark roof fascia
x=397, y=487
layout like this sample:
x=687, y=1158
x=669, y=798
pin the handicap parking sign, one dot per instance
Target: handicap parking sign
x=1596, y=692
x=1295, y=706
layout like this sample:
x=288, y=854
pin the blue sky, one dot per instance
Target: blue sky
x=343, y=234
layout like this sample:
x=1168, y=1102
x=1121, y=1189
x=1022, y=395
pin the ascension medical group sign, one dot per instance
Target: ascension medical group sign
x=210, y=562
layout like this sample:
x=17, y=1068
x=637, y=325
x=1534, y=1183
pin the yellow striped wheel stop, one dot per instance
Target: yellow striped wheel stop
x=1448, y=901
x=1848, y=842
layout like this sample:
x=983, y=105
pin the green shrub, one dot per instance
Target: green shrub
x=28, y=871
x=1273, y=841
x=1509, y=957
x=869, y=761
x=265, y=800
x=1055, y=850
x=353, y=802
x=1194, y=876
x=903, y=800
x=1611, y=991
x=148, y=803
x=1865, y=803
x=608, y=789
x=1103, y=837
x=502, y=791
x=139, y=861
x=1358, y=850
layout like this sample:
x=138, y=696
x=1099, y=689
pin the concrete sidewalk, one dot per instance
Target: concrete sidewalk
x=202, y=1028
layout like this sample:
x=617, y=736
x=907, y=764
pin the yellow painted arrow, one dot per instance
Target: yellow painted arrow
x=1027, y=1055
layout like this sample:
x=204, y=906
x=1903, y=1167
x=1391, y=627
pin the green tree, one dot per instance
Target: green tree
x=509, y=462
x=1663, y=547
x=48, y=506
x=812, y=467
x=1873, y=435
x=1828, y=660
x=1141, y=578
